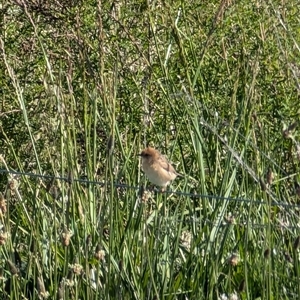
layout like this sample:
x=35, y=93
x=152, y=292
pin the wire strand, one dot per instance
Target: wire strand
x=139, y=188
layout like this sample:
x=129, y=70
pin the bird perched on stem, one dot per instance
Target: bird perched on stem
x=157, y=168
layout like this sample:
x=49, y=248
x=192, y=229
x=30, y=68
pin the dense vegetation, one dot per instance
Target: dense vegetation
x=86, y=85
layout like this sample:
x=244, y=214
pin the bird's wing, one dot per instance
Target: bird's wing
x=163, y=162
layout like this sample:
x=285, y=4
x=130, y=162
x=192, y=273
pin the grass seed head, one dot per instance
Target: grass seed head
x=99, y=253
x=3, y=207
x=233, y=260
x=3, y=238
x=76, y=268
x=270, y=176
x=43, y=294
x=120, y=265
x=186, y=238
x=242, y=285
x=2, y=278
x=263, y=186
x=70, y=280
x=13, y=184
x=65, y=237
x=88, y=240
x=110, y=145
x=267, y=253
x=298, y=151
x=12, y=267
x=287, y=257
x=230, y=219
x=297, y=243
x=287, y=132
x=61, y=290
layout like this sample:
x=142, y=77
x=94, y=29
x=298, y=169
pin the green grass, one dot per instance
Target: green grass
x=86, y=86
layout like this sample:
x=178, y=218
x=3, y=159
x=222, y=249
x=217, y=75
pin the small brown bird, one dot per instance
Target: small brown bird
x=157, y=168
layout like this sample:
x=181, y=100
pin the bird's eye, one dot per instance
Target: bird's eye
x=144, y=154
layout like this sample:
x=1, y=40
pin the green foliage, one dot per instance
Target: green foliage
x=86, y=85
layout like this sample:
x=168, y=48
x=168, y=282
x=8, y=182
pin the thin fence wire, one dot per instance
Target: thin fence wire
x=140, y=188
x=231, y=221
